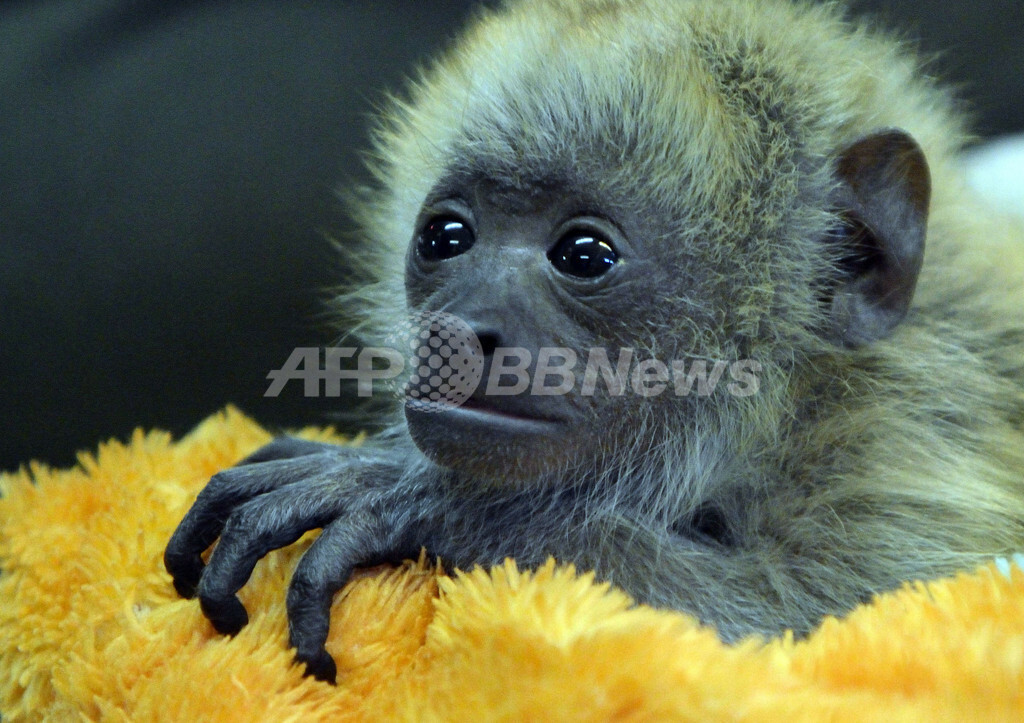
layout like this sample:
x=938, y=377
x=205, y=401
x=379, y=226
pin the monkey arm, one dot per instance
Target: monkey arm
x=756, y=578
x=778, y=569
x=754, y=587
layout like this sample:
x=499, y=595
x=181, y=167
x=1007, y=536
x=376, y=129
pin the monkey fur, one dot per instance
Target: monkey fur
x=767, y=175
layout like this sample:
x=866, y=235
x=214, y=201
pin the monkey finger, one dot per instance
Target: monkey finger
x=321, y=572
x=266, y=523
x=226, y=491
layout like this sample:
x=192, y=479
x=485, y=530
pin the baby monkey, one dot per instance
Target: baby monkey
x=673, y=186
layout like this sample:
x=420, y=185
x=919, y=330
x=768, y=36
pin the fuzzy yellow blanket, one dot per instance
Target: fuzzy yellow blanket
x=91, y=629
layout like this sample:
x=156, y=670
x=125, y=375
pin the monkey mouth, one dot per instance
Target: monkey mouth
x=492, y=442
x=477, y=413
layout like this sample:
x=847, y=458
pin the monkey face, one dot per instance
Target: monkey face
x=541, y=282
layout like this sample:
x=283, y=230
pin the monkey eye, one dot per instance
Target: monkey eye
x=583, y=255
x=444, y=237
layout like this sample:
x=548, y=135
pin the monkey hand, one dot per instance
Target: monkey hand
x=268, y=501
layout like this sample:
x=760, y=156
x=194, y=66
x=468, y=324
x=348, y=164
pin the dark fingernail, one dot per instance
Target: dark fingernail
x=228, y=615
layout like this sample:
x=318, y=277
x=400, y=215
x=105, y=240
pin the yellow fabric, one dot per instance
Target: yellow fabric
x=90, y=628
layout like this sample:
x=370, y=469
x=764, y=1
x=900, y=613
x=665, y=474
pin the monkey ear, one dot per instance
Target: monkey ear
x=886, y=187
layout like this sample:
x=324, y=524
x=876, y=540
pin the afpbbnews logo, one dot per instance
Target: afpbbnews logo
x=440, y=359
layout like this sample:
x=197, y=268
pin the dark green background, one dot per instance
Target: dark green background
x=167, y=174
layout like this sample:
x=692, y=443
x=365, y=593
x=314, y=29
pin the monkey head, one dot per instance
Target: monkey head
x=562, y=182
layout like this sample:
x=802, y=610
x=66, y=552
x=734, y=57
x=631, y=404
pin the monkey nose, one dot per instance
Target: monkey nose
x=489, y=337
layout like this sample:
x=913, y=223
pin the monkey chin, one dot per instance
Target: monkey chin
x=495, y=445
